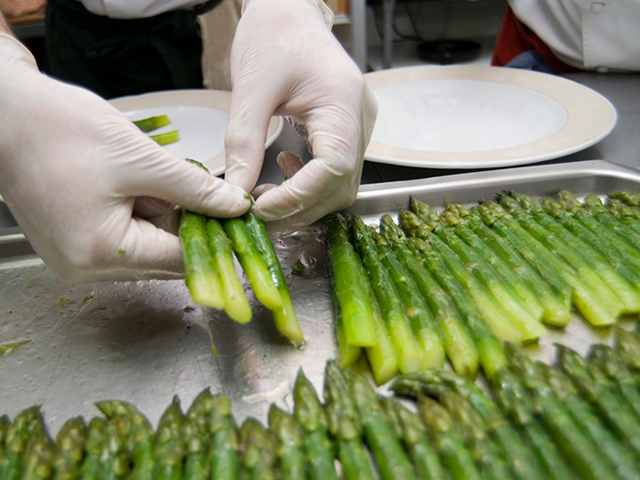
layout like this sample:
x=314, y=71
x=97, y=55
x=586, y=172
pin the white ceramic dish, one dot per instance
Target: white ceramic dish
x=482, y=117
x=200, y=116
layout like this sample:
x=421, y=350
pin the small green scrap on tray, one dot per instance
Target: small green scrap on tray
x=208, y=245
x=412, y=292
x=153, y=123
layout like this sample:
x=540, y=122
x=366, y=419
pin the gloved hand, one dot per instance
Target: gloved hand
x=78, y=176
x=285, y=61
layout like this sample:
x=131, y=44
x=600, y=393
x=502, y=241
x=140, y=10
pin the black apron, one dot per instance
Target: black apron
x=116, y=57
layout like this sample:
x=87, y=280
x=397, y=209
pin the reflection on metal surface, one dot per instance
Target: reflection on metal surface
x=145, y=342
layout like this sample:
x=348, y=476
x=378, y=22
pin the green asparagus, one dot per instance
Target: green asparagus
x=312, y=418
x=224, y=456
x=628, y=345
x=96, y=438
x=166, y=138
x=37, y=463
x=457, y=342
x=258, y=451
x=348, y=285
x=594, y=206
x=285, y=318
x=494, y=314
x=410, y=357
x=70, y=444
x=288, y=435
x=25, y=424
x=152, y=123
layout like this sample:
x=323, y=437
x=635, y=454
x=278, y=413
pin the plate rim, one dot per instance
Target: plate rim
x=215, y=99
x=567, y=93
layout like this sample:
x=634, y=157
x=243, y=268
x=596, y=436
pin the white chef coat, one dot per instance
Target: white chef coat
x=588, y=34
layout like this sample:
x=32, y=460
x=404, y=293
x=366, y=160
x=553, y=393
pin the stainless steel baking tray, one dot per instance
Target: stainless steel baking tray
x=145, y=342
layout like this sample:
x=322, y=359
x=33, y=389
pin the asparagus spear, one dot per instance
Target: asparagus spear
x=311, y=416
x=288, y=435
x=416, y=310
x=410, y=357
x=569, y=202
x=152, y=123
x=70, y=444
x=620, y=458
x=382, y=357
x=348, y=284
x=235, y=301
x=474, y=433
x=139, y=442
x=166, y=138
x=169, y=443
x=455, y=457
x=510, y=278
x=610, y=363
x=196, y=437
x=25, y=424
x=225, y=460
x=616, y=259
x=345, y=426
x=487, y=346
x=625, y=214
x=457, y=342
x=515, y=403
x=554, y=294
x=37, y=463
x=5, y=423
x=412, y=432
x=632, y=199
x=619, y=418
x=493, y=313
x=252, y=263
x=437, y=382
x=387, y=450
x=628, y=345
x=596, y=313
x=285, y=318
x=623, y=292
x=96, y=438
x=258, y=451
x=200, y=274
x=114, y=458
x=579, y=450
x=595, y=207
x=528, y=327
x=347, y=352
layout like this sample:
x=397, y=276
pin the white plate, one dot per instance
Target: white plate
x=481, y=117
x=200, y=116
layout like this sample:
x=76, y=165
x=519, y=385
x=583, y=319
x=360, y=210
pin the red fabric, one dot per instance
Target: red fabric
x=516, y=38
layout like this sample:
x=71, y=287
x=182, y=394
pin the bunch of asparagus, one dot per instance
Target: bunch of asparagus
x=578, y=420
x=208, y=245
x=461, y=282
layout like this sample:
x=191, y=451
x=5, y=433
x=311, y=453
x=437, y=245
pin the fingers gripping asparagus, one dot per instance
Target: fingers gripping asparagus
x=387, y=450
x=345, y=426
x=311, y=416
x=348, y=284
x=285, y=318
x=493, y=313
x=288, y=435
x=409, y=354
x=457, y=342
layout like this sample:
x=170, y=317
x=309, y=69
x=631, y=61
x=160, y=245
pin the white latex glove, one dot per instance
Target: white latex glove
x=286, y=61
x=77, y=175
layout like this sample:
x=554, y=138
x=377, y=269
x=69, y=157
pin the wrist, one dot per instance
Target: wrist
x=327, y=14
